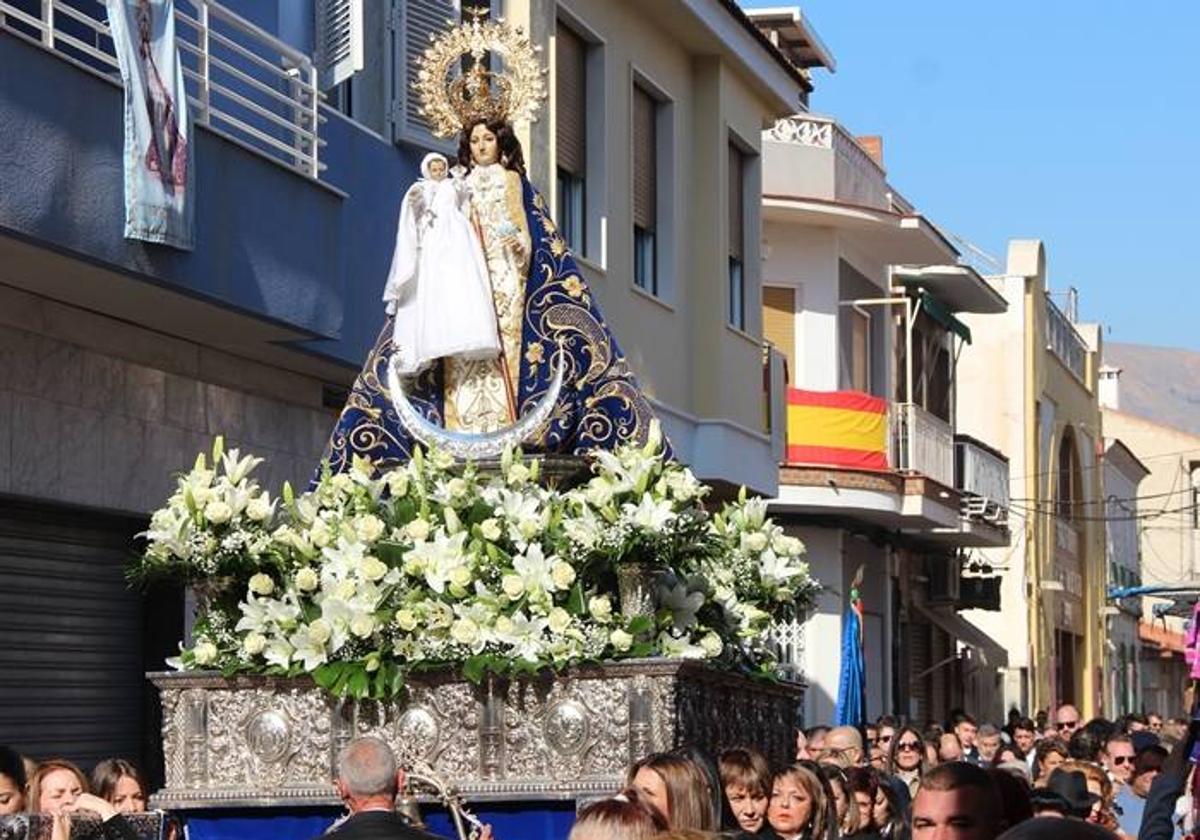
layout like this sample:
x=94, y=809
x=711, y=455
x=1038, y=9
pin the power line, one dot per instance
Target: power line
x=1100, y=463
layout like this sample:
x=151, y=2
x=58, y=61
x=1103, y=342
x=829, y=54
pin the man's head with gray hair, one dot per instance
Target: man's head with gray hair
x=367, y=771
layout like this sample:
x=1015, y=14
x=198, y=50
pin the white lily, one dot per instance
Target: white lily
x=682, y=603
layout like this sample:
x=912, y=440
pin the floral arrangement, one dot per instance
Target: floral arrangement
x=367, y=577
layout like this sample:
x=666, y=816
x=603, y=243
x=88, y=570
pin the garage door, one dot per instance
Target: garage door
x=71, y=635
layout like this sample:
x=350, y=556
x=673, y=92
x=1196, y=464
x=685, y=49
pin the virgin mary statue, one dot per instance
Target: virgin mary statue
x=557, y=360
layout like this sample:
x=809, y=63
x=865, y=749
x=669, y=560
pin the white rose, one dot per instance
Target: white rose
x=441, y=460
x=342, y=483
x=513, y=586
x=259, y=508
x=563, y=574
x=599, y=493
x=620, y=640
x=460, y=576
x=755, y=542
x=368, y=528
x=307, y=580
x=261, y=584
x=204, y=653
x=346, y=590
x=417, y=530
x=600, y=608
x=529, y=527
x=465, y=631
x=363, y=625
x=320, y=533
x=457, y=488
x=504, y=625
x=254, y=644
x=397, y=482
x=560, y=620
x=518, y=474
x=712, y=645
x=373, y=568
x=217, y=512
x=406, y=620
x=319, y=632
x=490, y=529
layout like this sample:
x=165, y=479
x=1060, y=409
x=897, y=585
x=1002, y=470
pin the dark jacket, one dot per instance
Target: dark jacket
x=378, y=825
x=1158, y=819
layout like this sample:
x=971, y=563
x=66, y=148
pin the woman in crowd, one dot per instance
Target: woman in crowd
x=907, y=757
x=799, y=806
x=12, y=782
x=625, y=816
x=59, y=788
x=863, y=786
x=1050, y=753
x=120, y=783
x=1100, y=786
x=1008, y=754
x=846, y=817
x=746, y=781
x=677, y=788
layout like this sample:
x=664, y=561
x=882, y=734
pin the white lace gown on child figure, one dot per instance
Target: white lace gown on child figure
x=438, y=285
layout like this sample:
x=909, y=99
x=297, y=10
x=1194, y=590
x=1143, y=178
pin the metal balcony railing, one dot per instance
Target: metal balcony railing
x=1064, y=341
x=981, y=475
x=242, y=81
x=923, y=443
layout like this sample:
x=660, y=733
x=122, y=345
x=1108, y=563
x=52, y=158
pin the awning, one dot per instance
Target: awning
x=939, y=312
x=992, y=653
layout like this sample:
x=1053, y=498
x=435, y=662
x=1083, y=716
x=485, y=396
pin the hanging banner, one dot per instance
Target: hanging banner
x=158, y=138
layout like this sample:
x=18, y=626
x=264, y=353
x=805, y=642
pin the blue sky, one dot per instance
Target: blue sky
x=1071, y=121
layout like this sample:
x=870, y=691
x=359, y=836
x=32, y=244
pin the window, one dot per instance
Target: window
x=570, y=86
x=339, y=37
x=737, y=238
x=860, y=350
x=779, y=323
x=411, y=24
x=645, y=191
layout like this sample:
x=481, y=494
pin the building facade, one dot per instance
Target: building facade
x=861, y=296
x=1029, y=385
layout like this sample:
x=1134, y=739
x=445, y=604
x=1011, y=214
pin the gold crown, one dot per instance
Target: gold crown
x=478, y=94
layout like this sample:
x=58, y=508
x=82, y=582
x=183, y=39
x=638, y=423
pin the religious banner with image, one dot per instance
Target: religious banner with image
x=158, y=140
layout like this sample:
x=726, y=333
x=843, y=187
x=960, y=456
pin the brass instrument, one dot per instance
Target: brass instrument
x=424, y=777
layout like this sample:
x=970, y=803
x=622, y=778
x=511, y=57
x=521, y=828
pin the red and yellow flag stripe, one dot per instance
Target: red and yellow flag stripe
x=837, y=428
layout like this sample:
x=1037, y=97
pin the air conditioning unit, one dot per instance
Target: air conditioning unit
x=945, y=576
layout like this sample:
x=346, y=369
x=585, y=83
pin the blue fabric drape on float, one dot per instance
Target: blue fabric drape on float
x=852, y=686
x=600, y=405
x=159, y=171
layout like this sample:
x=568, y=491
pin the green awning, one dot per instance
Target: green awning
x=938, y=312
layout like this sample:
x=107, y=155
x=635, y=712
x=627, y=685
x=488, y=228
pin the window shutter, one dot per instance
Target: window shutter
x=570, y=79
x=416, y=21
x=339, y=40
x=779, y=322
x=645, y=190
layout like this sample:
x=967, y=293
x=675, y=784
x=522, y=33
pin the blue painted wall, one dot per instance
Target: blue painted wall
x=269, y=242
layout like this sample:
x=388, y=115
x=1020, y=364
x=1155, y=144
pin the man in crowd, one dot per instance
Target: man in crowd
x=1066, y=721
x=1154, y=723
x=844, y=747
x=367, y=783
x=957, y=801
x=1117, y=758
x=987, y=742
x=966, y=728
x=1131, y=798
x=949, y=748
x=1025, y=737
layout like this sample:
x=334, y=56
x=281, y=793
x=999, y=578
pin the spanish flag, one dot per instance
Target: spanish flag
x=837, y=428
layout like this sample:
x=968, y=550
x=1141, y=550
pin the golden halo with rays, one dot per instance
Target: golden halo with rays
x=450, y=104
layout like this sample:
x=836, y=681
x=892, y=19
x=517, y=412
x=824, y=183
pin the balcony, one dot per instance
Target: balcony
x=923, y=443
x=1065, y=342
x=293, y=231
x=839, y=168
x=981, y=476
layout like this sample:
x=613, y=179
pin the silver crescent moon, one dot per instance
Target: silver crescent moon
x=470, y=445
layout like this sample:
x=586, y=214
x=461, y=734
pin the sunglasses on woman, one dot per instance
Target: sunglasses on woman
x=908, y=746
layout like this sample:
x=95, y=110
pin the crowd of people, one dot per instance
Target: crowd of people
x=1058, y=777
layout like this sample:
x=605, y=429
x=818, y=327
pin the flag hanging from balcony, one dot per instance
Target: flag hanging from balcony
x=852, y=684
x=837, y=428
x=159, y=181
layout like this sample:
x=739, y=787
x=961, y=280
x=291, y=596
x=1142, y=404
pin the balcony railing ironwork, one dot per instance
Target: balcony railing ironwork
x=923, y=443
x=242, y=81
x=981, y=475
x=1064, y=340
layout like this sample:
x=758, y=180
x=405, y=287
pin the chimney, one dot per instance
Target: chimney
x=872, y=144
x=1110, y=387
